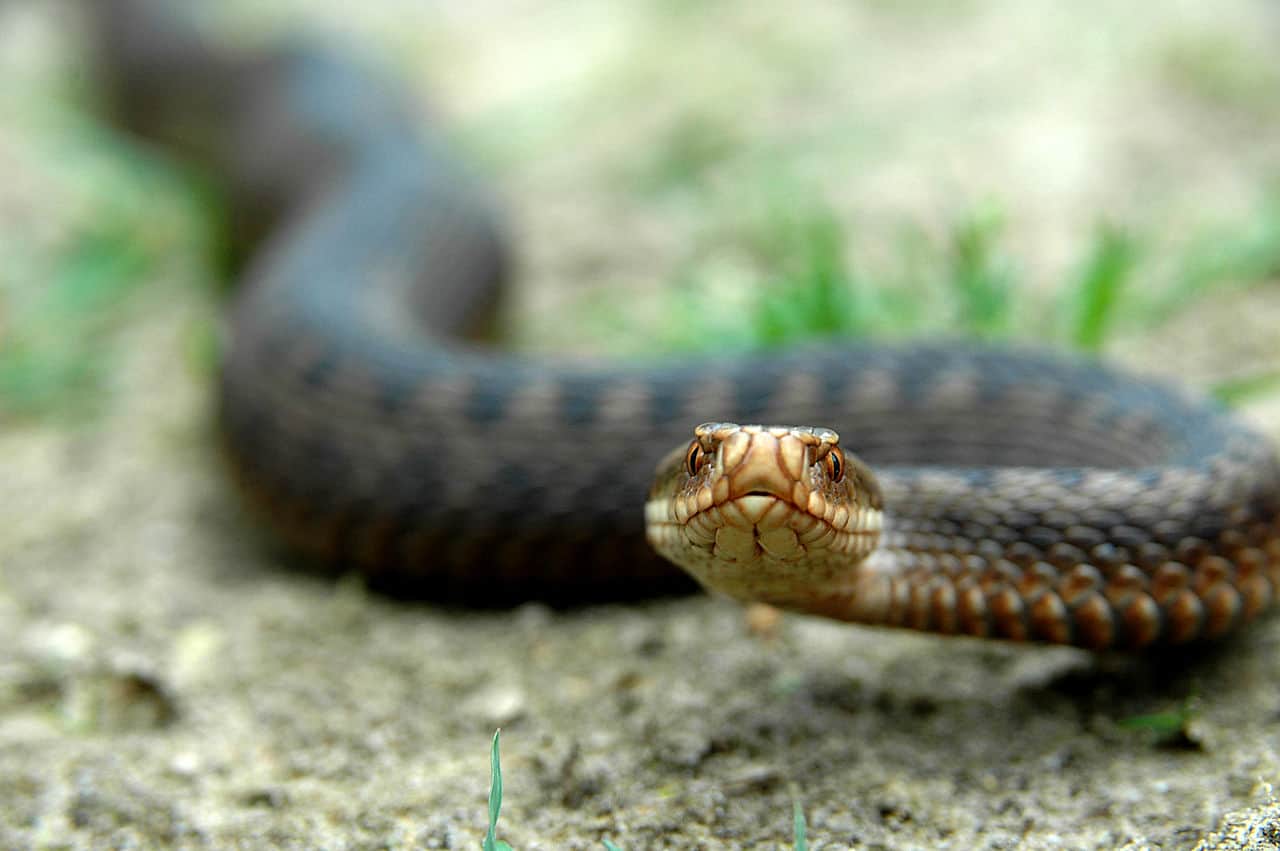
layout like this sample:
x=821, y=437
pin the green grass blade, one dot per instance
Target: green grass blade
x=798, y=829
x=982, y=281
x=1241, y=390
x=491, y=841
x=1099, y=285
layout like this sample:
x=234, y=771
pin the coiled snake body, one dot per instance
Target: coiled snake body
x=1024, y=496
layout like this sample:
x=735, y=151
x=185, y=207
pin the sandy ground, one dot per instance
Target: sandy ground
x=166, y=682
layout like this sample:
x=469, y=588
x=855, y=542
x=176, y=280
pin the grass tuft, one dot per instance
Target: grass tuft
x=66, y=298
x=815, y=293
x=44, y=359
x=800, y=283
x=1171, y=728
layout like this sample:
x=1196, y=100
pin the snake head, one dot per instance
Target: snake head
x=760, y=512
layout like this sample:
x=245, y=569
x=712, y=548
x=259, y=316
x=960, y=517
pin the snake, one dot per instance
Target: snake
x=957, y=488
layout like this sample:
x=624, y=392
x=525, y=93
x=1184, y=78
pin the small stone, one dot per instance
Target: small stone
x=497, y=706
x=185, y=764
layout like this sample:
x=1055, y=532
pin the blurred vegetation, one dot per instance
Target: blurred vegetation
x=803, y=279
x=1172, y=728
x=967, y=282
x=67, y=303
x=1220, y=71
x=794, y=266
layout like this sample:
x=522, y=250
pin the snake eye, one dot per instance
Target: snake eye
x=835, y=465
x=693, y=459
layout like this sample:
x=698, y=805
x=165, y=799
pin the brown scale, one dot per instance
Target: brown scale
x=1131, y=594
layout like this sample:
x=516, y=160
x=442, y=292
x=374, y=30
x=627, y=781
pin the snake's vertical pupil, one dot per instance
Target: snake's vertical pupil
x=693, y=460
x=835, y=465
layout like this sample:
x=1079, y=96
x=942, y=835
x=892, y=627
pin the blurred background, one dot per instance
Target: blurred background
x=679, y=175
x=693, y=175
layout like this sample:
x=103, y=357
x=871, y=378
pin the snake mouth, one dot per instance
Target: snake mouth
x=762, y=525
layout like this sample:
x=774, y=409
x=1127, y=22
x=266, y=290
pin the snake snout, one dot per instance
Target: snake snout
x=753, y=463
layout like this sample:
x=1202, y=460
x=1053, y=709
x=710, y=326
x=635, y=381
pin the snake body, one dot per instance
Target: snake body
x=1025, y=495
